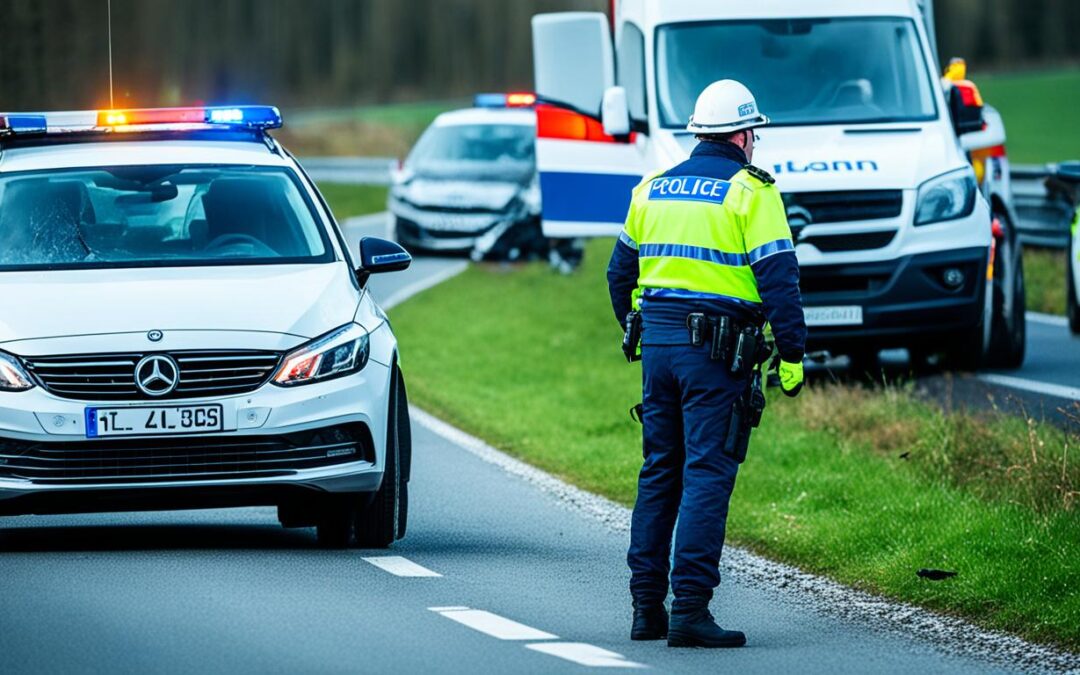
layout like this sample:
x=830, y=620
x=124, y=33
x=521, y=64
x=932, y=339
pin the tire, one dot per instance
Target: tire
x=377, y=525
x=1008, y=327
x=1070, y=280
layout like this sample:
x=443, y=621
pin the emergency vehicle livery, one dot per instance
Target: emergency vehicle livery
x=895, y=179
x=183, y=326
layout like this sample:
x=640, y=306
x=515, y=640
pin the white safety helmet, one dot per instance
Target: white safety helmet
x=725, y=107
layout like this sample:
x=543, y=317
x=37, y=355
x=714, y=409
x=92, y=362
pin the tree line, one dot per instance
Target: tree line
x=54, y=53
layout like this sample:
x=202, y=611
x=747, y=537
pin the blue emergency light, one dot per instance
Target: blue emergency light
x=22, y=124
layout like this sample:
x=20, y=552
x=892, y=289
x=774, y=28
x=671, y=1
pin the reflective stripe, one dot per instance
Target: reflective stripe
x=694, y=253
x=772, y=248
x=625, y=238
x=682, y=294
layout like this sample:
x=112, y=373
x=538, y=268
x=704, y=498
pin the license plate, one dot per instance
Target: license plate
x=153, y=421
x=846, y=315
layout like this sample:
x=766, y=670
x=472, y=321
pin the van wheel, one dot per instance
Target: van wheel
x=1008, y=328
x=377, y=525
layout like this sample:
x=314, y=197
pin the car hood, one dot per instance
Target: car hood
x=297, y=300
x=897, y=157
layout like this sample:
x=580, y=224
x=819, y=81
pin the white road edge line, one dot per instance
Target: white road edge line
x=494, y=625
x=585, y=654
x=400, y=567
x=423, y=284
x=1035, y=386
x=1048, y=319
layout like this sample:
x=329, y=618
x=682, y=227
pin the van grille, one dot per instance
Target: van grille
x=111, y=377
x=847, y=206
x=128, y=460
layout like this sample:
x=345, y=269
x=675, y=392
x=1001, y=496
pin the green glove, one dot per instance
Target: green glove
x=791, y=378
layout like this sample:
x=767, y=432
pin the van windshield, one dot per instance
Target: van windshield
x=159, y=215
x=802, y=71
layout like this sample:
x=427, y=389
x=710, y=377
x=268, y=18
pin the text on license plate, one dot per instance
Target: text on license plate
x=156, y=420
x=846, y=315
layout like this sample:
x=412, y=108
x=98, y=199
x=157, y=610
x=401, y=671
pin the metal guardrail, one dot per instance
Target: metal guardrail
x=1044, y=218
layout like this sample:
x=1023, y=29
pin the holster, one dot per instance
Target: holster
x=745, y=417
x=631, y=342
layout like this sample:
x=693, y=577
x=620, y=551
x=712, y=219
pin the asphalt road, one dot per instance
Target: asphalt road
x=526, y=583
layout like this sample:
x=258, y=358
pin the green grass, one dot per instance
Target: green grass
x=1039, y=111
x=378, y=130
x=347, y=200
x=824, y=487
x=1044, y=275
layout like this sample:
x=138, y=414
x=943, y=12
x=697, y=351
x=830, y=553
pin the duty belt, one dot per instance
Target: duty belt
x=741, y=345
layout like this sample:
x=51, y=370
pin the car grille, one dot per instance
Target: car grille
x=841, y=207
x=858, y=241
x=111, y=377
x=170, y=459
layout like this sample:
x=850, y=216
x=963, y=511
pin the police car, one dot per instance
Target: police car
x=183, y=326
x=469, y=184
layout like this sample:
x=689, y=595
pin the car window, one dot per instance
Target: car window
x=511, y=143
x=156, y=215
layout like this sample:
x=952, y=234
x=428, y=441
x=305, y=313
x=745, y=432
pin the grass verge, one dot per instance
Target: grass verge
x=865, y=487
x=1044, y=275
x=347, y=200
x=1024, y=100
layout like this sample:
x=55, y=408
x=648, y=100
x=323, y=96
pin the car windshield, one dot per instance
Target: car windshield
x=475, y=147
x=135, y=216
x=802, y=71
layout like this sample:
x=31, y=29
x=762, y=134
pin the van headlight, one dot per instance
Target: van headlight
x=13, y=377
x=946, y=197
x=338, y=353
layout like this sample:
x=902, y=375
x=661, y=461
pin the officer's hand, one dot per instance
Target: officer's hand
x=791, y=378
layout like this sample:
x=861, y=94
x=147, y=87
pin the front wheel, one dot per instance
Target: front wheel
x=380, y=523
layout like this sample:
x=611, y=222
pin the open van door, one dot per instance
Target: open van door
x=587, y=171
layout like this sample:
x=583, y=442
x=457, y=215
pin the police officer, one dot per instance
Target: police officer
x=706, y=238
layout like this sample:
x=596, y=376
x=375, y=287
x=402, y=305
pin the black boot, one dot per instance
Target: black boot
x=650, y=623
x=696, y=628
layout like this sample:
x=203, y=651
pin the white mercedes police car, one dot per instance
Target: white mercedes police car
x=183, y=326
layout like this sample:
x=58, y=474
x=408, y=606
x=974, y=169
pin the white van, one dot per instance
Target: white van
x=896, y=180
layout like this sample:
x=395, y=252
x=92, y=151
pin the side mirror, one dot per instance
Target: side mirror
x=381, y=255
x=615, y=112
x=966, y=107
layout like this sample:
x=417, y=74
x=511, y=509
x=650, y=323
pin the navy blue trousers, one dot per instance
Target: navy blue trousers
x=686, y=476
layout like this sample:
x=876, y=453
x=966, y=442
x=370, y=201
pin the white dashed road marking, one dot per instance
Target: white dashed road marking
x=506, y=629
x=495, y=625
x=401, y=567
x=585, y=655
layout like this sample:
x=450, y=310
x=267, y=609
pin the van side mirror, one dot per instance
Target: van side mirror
x=378, y=256
x=615, y=112
x=966, y=107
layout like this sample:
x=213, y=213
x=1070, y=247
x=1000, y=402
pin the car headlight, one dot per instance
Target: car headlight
x=946, y=197
x=13, y=377
x=341, y=352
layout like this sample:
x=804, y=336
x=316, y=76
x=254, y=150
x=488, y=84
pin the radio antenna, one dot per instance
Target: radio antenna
x=112, y=103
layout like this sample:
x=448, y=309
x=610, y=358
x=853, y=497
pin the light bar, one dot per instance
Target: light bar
x=249, y=116
x=512, y=100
